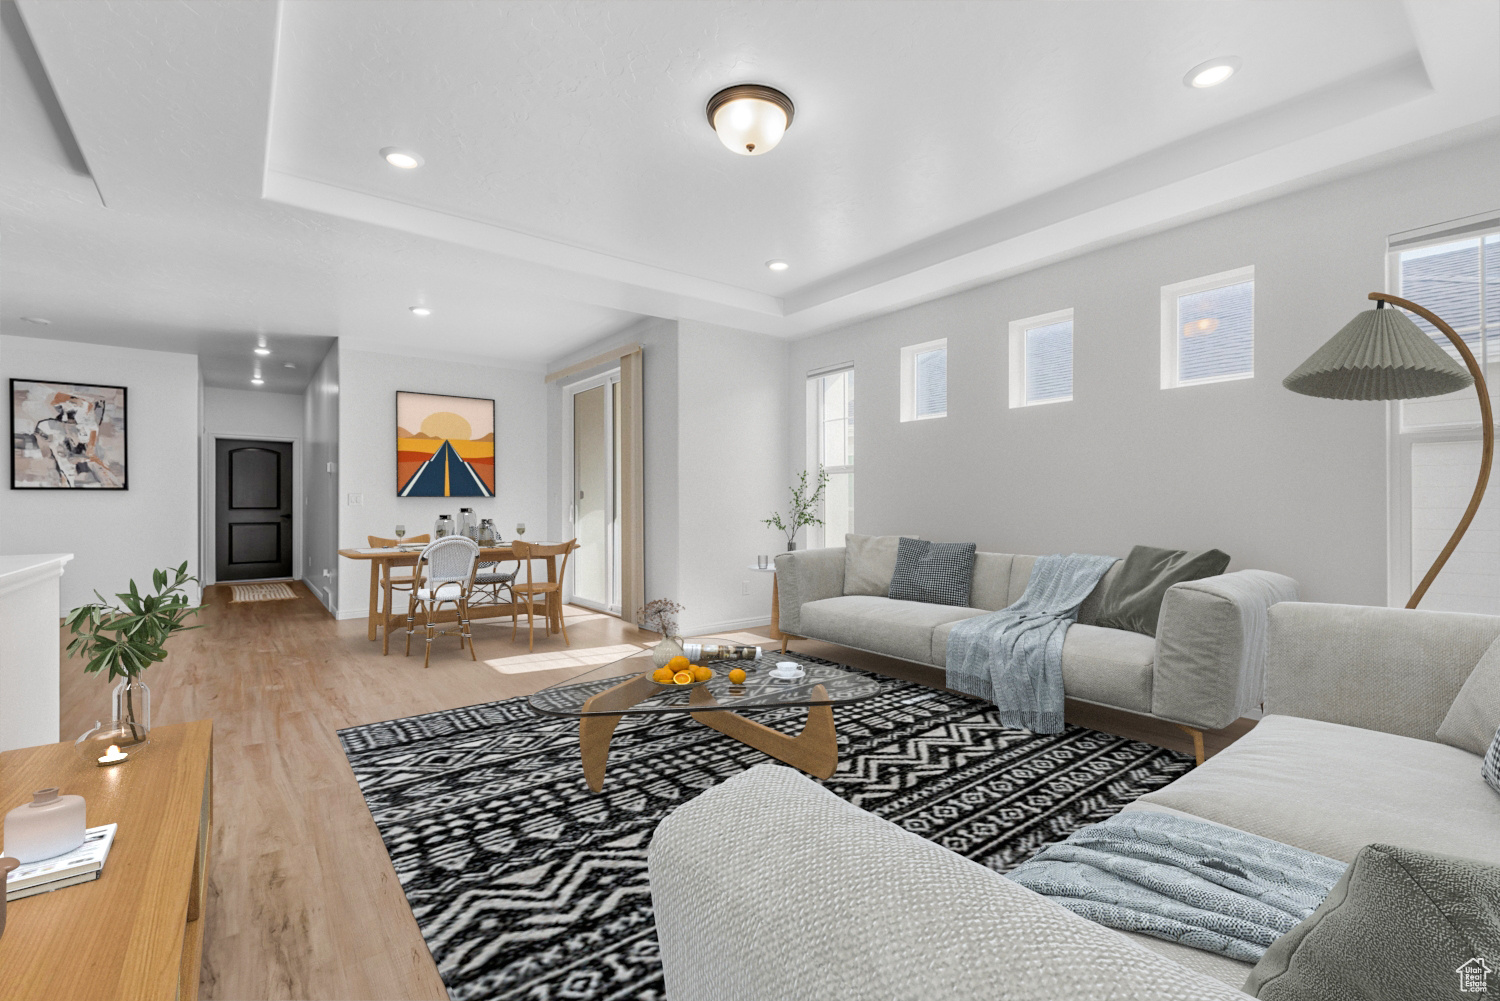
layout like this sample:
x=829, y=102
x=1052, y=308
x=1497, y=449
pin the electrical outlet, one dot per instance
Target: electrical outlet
x=356, y=500
x=327, y=573
x=744, y=587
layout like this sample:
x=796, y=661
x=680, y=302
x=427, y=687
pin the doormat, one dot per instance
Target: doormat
x=527, y=885
x=261, y=592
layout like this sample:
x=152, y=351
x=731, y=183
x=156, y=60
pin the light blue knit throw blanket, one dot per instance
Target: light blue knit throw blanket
x=1013, y=657
x=1187, y=881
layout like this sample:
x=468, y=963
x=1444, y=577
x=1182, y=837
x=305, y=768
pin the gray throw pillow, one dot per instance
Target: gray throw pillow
x=1475, y=714
x=869, y=563
x=1400, y=925
x=1133, y=599
x=940, y=573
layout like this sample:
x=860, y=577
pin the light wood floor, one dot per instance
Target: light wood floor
x=303, y=902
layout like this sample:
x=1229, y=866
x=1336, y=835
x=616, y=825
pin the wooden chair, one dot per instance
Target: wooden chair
x=399, y=581
x=550, y=589
x=445, y=573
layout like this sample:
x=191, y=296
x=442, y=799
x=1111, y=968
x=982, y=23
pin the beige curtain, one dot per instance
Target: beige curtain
x=632, y=489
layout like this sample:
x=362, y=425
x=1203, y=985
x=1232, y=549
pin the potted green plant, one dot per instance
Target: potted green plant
x=128, y=637
x=804, y=509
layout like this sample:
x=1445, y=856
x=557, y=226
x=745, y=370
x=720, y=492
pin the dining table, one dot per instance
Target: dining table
x=382, y=618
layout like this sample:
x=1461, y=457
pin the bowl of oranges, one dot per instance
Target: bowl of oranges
x=680, y=672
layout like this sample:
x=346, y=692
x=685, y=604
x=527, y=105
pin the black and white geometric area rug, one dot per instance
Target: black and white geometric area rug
x=527, y=885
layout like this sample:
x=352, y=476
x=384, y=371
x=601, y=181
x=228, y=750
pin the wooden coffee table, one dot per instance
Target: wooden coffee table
x=601, y=696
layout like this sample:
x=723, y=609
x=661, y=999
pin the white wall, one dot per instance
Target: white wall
x=115, y=535
x=368, y=383
x=249, y=414
x=732, y=402
x=320, y=493
x=1279, y=481
x=238, y=413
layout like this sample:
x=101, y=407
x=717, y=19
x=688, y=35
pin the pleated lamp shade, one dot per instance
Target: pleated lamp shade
x=1379, y=355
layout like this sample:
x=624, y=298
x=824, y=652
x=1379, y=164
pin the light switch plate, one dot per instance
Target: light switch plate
x=356, y=500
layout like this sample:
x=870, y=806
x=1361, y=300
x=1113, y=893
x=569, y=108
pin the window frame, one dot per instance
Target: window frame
x=1018, y=331
x=1401, y=575
x=1170, y=326
x=909, y=379
x=816, y=391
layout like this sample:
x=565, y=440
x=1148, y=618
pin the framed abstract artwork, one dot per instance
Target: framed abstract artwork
x=445, y=446
x=67, y=436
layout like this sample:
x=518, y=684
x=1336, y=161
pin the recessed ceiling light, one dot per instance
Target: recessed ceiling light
x=257, y=382
x=287, y=364
x=777, y=265
x=39, y=320
x=403, y=158
x=262, y=351
x=420, y=310
x=1212, y=73
x=750, y=118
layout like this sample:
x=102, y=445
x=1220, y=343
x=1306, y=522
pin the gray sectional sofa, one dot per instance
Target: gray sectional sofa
x=825, y=901
x=1202, y=670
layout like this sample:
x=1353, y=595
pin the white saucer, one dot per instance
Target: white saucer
x=787, y=670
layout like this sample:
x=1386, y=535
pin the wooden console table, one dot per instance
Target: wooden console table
x=136, y=932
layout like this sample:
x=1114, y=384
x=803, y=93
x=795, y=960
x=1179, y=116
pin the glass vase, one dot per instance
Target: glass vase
x=132, y=709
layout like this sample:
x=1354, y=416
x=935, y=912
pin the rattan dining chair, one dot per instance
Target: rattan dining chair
x=444, y=574
x=549, y=589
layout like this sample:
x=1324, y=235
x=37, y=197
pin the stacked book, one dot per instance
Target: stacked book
x=77, y=866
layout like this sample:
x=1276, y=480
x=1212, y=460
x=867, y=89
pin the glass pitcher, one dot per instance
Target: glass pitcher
x=443, y=527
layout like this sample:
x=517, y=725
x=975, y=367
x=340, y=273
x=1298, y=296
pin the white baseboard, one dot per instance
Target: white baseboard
x=352, y=613
x=730, y=626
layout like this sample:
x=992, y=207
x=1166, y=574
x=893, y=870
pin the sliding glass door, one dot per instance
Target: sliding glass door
x=594, y=509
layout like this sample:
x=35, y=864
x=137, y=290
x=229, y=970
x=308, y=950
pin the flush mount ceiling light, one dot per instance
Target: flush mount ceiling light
x=750, y=118
x=777, y=265
x=403, y=158
x=39, y=320
x=1212, y=73
x=420, y=310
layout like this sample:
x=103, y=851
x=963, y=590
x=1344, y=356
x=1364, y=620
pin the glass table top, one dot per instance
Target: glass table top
x=625, y=686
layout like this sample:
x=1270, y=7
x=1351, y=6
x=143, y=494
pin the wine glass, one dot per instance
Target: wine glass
x=400, y=533
x=520, y=529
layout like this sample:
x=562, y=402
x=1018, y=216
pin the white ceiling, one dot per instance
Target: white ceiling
x=572, y=183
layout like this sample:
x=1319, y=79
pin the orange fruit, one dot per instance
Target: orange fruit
x=678, y=663
x=662, y=675
x=736, y=676
x=682, y=678
x=701, y=673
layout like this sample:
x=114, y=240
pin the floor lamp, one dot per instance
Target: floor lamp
x=1382, y=355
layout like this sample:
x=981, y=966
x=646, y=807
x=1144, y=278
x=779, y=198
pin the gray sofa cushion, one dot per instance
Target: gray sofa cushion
x=869, y=561
x=1490, y=770
x=1333, y=789
x=1133, y=600
x=1400, y=926
x=1108, y=666
x=1475, y=714
x=937, y=572
x=991, y=588
x=884, y=625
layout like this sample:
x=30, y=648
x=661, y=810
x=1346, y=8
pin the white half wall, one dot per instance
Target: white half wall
x=115, y=535
x=1279, y=481
x=368, y=382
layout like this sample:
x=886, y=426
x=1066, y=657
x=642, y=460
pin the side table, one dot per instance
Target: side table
x=776, y=633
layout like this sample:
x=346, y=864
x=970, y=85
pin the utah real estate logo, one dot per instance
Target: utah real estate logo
x=1474, y=976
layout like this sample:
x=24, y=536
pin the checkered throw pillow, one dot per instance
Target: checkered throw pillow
x=939, y=573
x=1491, y=767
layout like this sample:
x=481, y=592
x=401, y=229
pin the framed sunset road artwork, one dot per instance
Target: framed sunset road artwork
x=67, y=436
x=445, y=446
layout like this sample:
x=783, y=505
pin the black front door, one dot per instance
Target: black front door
x=252, y=509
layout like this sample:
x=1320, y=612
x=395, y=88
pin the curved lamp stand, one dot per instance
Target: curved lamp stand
x=1488, y=421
